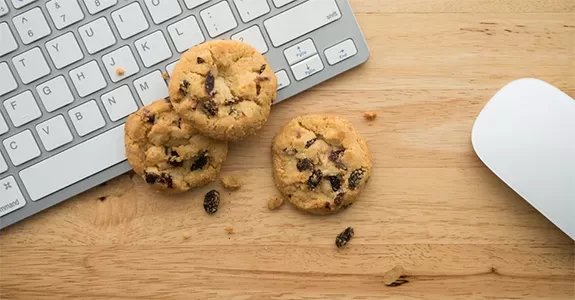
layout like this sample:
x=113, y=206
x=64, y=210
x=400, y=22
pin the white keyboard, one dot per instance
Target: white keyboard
x=64, y=103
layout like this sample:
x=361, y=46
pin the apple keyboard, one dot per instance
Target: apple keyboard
x=71, y=71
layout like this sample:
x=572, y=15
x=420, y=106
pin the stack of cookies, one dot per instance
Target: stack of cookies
x=219, y=91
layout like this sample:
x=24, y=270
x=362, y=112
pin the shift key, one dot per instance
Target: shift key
x=300, y=20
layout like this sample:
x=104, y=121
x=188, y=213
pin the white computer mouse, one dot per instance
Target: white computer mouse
x=526, y=136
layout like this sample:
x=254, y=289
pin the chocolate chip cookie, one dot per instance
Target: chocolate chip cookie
x=224, y=88
x=321, y=163
x=168, y=152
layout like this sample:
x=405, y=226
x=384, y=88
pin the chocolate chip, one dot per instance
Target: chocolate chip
x=167, y=99
x=355, y=178
x=339, y=199
x=167, y=179
x=209, y=84
x=327, y=205
x=211, y=202
x=310, y=142
x=179, y=123
x=233, y=101
x=151, y=118
x=343, y=238
x=262, y=78
x=304, y=164
x=184, y=86
x=335, y=182
x=200, y=60
x=235, y=113
x=340, y=165
x=335, y=155
x=258, y=88
x=175, y=160
x=201, y=161
x=210, y=108
x=151, y=178
x=262, y=68
x=102, y=198
x=314, y=179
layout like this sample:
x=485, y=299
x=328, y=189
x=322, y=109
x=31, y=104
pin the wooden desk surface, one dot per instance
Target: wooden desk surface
x=431, y=205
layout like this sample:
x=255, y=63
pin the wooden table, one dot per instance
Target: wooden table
x=431, y=205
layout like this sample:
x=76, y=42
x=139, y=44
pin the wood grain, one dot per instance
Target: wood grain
x=431, y=205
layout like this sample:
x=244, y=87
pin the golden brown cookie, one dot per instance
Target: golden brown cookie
x=321, y=163
x=224, y=88
x=167, y=152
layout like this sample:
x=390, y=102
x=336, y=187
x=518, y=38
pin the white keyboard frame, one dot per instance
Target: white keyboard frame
x=343, y=29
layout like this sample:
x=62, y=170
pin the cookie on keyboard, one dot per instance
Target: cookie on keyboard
x=224, y=88
x=167, y=152
x=321, y=163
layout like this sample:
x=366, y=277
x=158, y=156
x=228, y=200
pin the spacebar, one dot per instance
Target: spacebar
x=74, y=164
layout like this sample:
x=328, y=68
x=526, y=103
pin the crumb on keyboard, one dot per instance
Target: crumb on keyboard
x=165, y=75
x=370, y=115
x=120, y=71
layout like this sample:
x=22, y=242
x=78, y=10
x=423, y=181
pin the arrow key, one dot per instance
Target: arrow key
x=300, y=51
x=307, y=67
x=340, y=52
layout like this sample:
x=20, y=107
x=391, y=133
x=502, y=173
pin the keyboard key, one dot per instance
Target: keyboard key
x=97, y=35
x=300, y=51
x=11, y=197
x=21, y=147
x=163, y=10
x=3, y=165
x=96, y=6
x=21, y=3
x=218, y=19
x=54, y=133
x=31, y=25
x=254, y=37
x=31, y=65
x=130, y=20
x=3, y=8
x=87, y=78
x=75, y=164
x=87, y=118
x=64, y=12
x=307, y=67
x=8, y=41
x=280, y=3
x=300, y=20
x=194, y=3
x=151, y=87
x=55, y=93
x=170, y=67
x=8, y=81
x=64, y=50
x=283, y=79
x=251, y=9
x=153, y=49
x=186, y=33
x=341, y=51
x=22, y=108
x=121, y=58
x=3, y=125
x=119, y=103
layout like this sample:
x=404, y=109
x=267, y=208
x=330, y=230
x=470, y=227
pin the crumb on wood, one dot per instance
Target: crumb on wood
x=229, y=229
x=165, y=75
x=120, y=71
x=275, y=202
x=186, y=236
x=370, y=115
x=231, y=182
x=395, y=277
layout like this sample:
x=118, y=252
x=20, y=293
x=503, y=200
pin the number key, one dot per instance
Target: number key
x=96, y=6
x=3, y=8
x=31, y=25
x=64, y=12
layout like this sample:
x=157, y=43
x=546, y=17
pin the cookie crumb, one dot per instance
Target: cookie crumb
x=275, y=202
x=370, y=115
x=231, y=182
x=395, y=277
x=343, y=238
x=120, y=71
x=186, y=236
x=165, y=75
x=229, y=229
